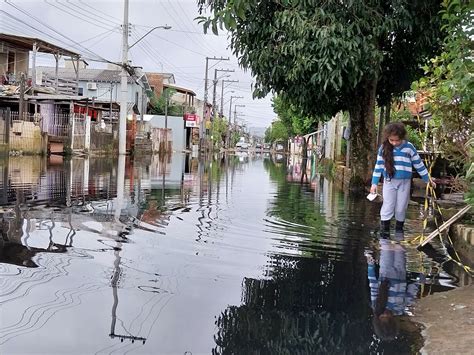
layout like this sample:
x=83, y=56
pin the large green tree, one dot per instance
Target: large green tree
x=329, y=55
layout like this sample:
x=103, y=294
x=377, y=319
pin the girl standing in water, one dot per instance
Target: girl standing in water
x=395, y=160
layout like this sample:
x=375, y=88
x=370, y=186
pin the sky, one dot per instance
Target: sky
x=93, y=28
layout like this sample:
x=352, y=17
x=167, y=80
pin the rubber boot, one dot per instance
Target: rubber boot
x=399, y=233
x=385, y=229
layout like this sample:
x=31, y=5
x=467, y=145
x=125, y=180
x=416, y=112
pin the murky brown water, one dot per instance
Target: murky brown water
x=153, y=256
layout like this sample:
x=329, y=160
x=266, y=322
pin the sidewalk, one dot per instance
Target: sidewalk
x=448, y=318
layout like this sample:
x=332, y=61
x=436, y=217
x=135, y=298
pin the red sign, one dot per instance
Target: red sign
x=190, y=117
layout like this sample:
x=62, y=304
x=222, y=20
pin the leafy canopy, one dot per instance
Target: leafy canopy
x=314, y=53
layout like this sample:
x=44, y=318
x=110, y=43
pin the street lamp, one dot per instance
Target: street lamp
x=165, y=27
x=123, y=78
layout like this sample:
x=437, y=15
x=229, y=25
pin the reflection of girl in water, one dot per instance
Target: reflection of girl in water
x=390, y=293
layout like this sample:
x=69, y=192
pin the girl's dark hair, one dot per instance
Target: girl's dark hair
x=392, y=129
x=387, y=329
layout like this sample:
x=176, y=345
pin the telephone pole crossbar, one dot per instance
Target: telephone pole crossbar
x=201, y=123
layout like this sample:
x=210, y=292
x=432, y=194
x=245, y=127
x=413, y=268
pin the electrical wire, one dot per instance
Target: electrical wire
x=49, y=27
x=87, y=12
x=76, y=15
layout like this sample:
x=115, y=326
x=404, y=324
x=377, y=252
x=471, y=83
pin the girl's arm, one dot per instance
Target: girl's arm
x=378, y=170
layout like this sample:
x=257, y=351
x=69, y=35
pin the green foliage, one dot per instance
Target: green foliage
x=277, y=132
x=158, y=104
x=415, y=137
x=317, y=52
x=449, y=87
x=219, y=129
x=401, y=115
x=323, y=56
x=293, y=118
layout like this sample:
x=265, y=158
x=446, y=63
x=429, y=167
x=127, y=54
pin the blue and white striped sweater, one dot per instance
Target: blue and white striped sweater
x=400, y=293
x=405, y=158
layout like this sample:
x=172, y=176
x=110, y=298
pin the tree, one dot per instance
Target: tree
x=218, y=130
x=292, y=117
x=331, y=55
x=158, y=104
x=449, y=88
x=277, y=132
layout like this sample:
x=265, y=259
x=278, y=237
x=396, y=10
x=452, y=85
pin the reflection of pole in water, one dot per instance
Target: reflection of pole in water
x=163, y=180
x=120, y=186
x=114, y=283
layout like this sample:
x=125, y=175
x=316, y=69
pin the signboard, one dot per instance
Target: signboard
x=191, y=124
x=191, y=117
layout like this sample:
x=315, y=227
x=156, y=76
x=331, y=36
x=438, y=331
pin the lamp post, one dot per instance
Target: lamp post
x=124, y=75
x=165, y=27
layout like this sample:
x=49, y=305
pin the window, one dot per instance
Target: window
x=80, y=92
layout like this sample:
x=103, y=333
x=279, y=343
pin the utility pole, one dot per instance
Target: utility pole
x=222, y=94
x=21, y=108
x=235, y=115
x=215, y=84
x=201, y=124
x=123, y=84
x=229, y=118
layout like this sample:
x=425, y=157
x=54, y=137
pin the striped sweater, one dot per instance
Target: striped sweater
x=401, y=293
x=405, y=158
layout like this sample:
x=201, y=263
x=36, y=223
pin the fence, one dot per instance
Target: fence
x=104, y=136
x=79, y=134
x=57, y=125
x=4, y=127
x=20, y=133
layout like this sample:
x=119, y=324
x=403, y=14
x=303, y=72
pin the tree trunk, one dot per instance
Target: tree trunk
x=304, y=163
x=362, y=116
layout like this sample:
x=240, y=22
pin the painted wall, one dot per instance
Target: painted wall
x=103, y=92
x=175, y=123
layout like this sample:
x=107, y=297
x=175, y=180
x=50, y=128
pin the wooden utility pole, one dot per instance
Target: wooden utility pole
x=22, y=97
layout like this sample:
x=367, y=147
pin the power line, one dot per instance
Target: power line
x=99, y=11
x=76, y=15
x=49, y=27
x=93, y=13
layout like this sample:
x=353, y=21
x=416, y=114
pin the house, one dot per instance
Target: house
x=22, y=123
x=102, y=85
x=15, y=57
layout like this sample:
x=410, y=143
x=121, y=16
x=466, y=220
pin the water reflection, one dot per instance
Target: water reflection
x=232, y=254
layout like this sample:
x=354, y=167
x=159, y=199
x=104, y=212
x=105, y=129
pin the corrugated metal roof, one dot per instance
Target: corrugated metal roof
x=94, y=75
x=26, y=43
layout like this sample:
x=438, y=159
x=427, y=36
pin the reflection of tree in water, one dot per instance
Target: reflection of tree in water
x=308, y=306
x=316, y=302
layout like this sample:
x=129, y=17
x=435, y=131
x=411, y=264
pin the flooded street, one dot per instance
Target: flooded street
x=180, y=256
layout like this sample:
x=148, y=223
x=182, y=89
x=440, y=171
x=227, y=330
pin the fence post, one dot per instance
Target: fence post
x=8, y=120
x=87, y=135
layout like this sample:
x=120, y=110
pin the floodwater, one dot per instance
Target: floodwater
x=236, y=255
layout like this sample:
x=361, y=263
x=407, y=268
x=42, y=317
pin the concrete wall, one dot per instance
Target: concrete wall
x=25, y=137
x=175, y=123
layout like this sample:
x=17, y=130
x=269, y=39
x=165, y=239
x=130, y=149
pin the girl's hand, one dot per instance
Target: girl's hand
x=432, y=183
x=373, y=189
